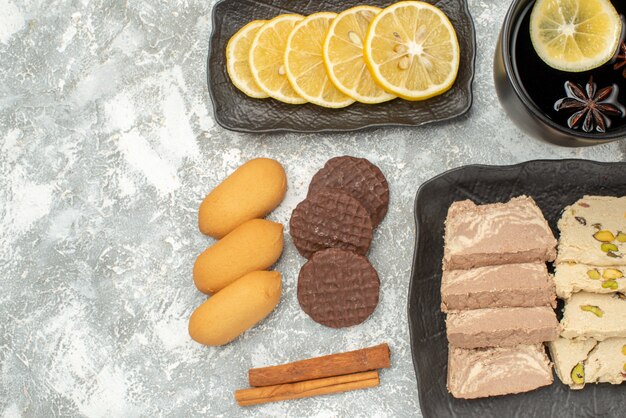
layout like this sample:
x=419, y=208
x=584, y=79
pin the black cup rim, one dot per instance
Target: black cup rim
x=513, y=77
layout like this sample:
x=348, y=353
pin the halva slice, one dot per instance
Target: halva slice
x=592, y=315
x=593, y=231
x=484, y=372
x=497, y=233
x=509, y=285
x=573, y=278
x=501, y=327
x=569, y=357
x=607, y=362
x=578, y=362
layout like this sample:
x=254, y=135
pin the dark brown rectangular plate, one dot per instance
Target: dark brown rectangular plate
x=238, y=112
x=553, y=184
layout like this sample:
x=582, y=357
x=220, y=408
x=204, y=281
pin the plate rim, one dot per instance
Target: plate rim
x=462, y=113
x=412, y=284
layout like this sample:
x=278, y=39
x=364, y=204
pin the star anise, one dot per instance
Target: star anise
x=592, y=107
x=620, y=59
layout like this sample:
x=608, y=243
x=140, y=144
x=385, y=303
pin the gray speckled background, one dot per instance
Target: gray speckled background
x=108, y=145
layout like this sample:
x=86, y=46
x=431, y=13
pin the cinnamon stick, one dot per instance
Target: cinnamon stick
x=335, y=384
x=371, y=358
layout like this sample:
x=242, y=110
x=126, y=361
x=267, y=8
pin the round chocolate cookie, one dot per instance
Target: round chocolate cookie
x=330, y=219
x=338, y=288
x=360, y=179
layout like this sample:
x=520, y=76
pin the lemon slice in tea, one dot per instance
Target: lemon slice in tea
x=575, y=35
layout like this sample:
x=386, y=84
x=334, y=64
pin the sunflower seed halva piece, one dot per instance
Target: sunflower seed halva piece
x=497, y=233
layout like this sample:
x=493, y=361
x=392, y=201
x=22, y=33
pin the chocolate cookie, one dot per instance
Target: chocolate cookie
x=338, y=288
x=360, y=179
x=330, y=219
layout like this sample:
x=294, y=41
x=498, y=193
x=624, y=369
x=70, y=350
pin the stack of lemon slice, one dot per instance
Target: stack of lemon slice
x=364, y=54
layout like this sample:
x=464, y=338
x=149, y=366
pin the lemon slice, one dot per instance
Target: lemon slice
x=412, y=50
x=267, y=55
x=238, y=63
x=304, y=62
x=343, y=56
x=575, y=35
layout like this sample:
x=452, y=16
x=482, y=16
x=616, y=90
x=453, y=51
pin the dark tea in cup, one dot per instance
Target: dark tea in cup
x=597, y=95
x=557, y=78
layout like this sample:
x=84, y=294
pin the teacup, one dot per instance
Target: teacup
x=519, y=105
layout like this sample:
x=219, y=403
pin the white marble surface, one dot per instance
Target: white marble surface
x=107, y=146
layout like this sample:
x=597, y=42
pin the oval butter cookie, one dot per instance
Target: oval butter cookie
x=236, y=308
x=251, y=191
x=255, y=245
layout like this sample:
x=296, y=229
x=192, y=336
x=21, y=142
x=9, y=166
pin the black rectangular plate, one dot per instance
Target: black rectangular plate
x=238, y=112
x=553, y=184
